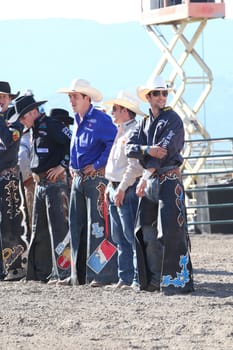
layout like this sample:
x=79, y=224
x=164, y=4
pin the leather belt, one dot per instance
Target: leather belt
x=79, y=172
x=115, y=184
x=42, y=178
x=169, y=173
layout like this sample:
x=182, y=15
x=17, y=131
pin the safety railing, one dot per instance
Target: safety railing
x=209, y=196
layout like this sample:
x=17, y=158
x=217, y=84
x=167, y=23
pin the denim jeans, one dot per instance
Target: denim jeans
x=122, y=226
x=87, y=229
x=49, y=251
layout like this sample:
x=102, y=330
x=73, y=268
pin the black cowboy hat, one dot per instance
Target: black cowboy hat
x=6, y=89
x=61, y=115
x=23, y=105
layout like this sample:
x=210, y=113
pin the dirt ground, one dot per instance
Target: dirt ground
x=39, y=316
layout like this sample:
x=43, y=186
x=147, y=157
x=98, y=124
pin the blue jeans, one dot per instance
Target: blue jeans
x=87, y=229
x=122, y=226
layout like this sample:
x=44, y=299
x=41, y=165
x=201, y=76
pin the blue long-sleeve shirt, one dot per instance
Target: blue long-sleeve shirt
x=92, y=139
x=166, y=131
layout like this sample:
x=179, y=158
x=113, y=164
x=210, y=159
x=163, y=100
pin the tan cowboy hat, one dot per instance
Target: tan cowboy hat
x=127, y=100
x=155, y=83
x=84, y=87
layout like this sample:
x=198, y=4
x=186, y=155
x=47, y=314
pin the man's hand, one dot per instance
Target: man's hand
x=89, y=170
x=119, y=198
x=140, y=189
x=53, y=173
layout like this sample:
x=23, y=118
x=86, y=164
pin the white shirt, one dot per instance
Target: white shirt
x=119, y=167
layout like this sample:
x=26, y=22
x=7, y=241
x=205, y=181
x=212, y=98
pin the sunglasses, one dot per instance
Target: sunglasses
x=116, y=107
x=157, y=93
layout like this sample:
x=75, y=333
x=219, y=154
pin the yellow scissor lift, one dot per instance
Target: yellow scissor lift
x=180, y=15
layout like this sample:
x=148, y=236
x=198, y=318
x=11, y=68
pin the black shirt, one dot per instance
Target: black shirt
x=10, y=136
x=50, y=145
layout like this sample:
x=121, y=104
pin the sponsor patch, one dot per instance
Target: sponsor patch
x=63, y=260
x=15, y=135
x=101, y=256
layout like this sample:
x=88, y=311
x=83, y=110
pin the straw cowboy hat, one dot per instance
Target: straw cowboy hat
x=156, y=83
x=127, y=100
x=23, y=105
x=61, y=115
x=6, y=89
x=84, y=87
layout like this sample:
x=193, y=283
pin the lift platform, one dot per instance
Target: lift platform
x=187, y=69
x=178, y=11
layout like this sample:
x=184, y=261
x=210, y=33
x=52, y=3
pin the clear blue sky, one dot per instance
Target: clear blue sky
x=45, y=55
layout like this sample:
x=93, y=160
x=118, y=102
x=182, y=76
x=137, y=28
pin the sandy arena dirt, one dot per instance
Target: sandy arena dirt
x=39, y=316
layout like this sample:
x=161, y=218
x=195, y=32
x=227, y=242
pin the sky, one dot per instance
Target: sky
x=103, y=11
x=47, y=43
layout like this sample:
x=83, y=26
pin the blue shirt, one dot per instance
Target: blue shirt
x=92, y=139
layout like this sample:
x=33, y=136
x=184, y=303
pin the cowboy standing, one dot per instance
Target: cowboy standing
x=92, y=139
x=49, y=252
x=14, y=231
x=161, y=236
x=123, y=174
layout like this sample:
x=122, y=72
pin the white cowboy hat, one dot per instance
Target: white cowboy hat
x=84, y=87
x=155, y=83
x=127, y=100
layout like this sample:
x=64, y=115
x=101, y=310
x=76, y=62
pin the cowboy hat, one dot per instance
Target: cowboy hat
x=10, y=113
x=84, y=87
x=155, y=83
x=61, y=115
x=6, y=89
x=127, y=100
x=23, y=105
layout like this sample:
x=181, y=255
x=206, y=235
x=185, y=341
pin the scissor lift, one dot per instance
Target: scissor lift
x=181, y=16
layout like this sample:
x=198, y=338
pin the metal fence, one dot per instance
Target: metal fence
x=209, y=190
